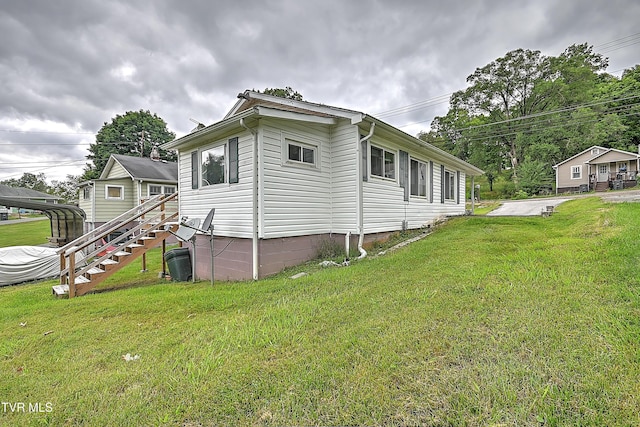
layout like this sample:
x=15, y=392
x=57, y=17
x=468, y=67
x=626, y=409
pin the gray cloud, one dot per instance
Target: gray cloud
x=74, y=65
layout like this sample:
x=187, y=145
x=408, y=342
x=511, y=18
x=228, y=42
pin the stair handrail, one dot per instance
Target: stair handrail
x=122, y=245
x=68, y=251
x=114, y=224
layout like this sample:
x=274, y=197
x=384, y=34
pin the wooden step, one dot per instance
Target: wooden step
x=120, y=254
x=94, y=272
x=108, y=264
x=60, y=290
x=81, y=280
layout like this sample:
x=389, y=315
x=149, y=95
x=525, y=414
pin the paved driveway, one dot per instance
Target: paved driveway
x=525, y=207
x=535, y=206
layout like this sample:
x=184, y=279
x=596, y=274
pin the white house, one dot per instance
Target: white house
x=284, y=176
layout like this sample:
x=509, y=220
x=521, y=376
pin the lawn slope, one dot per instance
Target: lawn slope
x=488, y=321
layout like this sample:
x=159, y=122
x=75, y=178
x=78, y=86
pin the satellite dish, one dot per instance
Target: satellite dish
x=207, y=221
x=187, y=230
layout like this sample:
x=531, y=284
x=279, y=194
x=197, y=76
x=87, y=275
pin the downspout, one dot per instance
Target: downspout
x=254, y=216
x=360, y=200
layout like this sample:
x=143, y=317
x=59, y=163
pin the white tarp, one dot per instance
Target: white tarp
x=26, y=263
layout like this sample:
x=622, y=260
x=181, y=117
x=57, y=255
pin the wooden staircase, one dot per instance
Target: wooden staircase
x=602, y=186
x=154, y=226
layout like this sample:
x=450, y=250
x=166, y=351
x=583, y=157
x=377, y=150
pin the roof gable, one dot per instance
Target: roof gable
x=142, y=168
x=612, y=155
x=249, y=99
x=582, y=153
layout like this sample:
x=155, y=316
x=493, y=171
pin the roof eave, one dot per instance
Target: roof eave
x=436, y=152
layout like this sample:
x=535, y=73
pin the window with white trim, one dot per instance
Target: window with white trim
x=418, y=177
x=383, y=163
x=217, y=164
x=213, y=165
x=449, y=185
x=155, y=189
x=576, y=172
x=298, y=152
x=114, y=192
x=86, y=193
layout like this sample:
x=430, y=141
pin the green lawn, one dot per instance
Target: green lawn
x=488, y=321
x=32, y=233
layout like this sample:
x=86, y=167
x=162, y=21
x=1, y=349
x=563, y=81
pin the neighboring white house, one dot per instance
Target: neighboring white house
x=124, y=183
x=597, y=168
x=284, y=176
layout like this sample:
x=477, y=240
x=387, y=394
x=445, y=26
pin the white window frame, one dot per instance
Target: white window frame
x=426, y=178
x=577, y=169
x=303, y=147
x=86, y=193
x=106, y=192
x=163, y=189
x=450, y=184
x=203, y=183
x=290, y=139
x=149, y=190
x=385, y=174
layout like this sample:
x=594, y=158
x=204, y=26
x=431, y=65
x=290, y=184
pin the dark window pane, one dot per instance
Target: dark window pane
x=377, y=162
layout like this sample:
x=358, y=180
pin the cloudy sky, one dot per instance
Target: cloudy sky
x=67, y=67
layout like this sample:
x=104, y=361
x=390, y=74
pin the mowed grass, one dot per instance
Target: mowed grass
x=488, y=321
x=31, y=233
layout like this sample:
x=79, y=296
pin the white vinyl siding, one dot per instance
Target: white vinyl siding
x=296, y=200
x=233, y=202
x=300, y=199
x=344, y=182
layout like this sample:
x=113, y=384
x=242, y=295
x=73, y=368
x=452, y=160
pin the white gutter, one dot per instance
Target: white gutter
x=254, y=216
x=360, y=197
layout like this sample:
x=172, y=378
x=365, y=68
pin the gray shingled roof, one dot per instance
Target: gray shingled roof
x=147, y=169
x=24, y=193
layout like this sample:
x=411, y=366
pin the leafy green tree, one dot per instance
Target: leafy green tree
x=535, y=176
x=287, y=92
x=67, y=190
x=503, y=91
x=134, y=134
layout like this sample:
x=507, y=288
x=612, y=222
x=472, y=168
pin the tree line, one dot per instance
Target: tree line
x=525, y=112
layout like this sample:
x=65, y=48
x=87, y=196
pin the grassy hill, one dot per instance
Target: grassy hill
x=488, y=321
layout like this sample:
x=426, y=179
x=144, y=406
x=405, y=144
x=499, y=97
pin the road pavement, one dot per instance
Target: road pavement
x=533, y=207
x=17, y=221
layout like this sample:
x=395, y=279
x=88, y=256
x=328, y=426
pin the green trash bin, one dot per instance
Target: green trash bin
x=179, y=263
